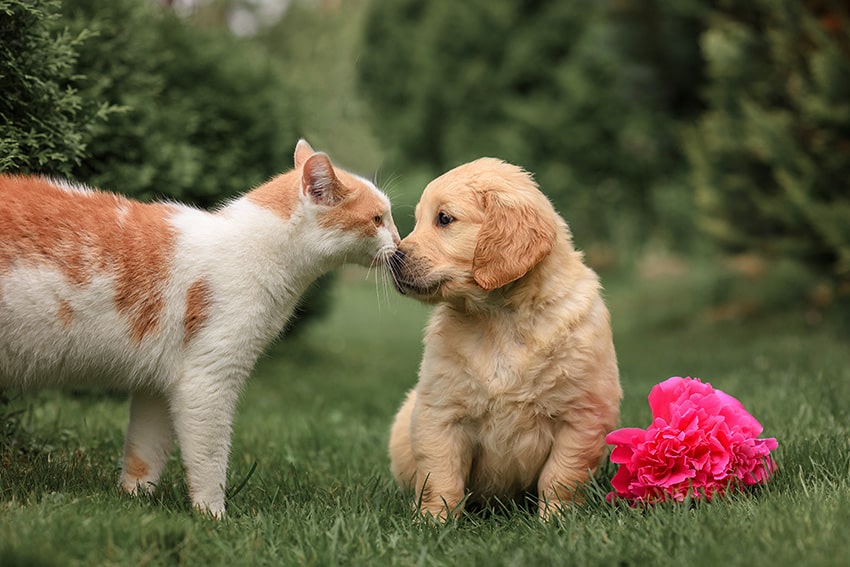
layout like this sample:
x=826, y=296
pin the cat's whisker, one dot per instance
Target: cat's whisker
x=388, y=288
x=388, y=186
x=378, y=286
x=379, y=261
x=392, y=263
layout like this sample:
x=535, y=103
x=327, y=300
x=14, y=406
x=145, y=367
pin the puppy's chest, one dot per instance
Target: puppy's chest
x=496, y=371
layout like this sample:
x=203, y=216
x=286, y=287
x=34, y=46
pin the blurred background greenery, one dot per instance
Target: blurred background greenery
x=706, y=137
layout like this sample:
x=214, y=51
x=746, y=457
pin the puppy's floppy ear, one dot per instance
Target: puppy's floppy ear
x=319, y=182
x=514, y=238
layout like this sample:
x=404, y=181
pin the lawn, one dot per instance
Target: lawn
x=309, y=480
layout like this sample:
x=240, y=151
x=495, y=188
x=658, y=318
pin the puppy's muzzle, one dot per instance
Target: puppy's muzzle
x=411, y=274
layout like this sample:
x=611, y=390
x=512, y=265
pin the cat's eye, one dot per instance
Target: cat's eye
x=378, y=220
x=444, y=219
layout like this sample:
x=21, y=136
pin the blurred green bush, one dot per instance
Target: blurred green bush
x=587, y=95
x=680, y=124
x=770, y=157
x=317, y=44
x=204, y=115
x=45, y=123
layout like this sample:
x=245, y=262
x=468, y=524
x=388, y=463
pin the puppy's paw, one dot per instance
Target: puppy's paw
x=439, y=512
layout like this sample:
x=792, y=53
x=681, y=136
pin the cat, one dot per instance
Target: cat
x=170, y=302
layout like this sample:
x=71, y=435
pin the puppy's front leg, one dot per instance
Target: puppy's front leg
x=443, y=460
x=576, y=452
x=203, y=408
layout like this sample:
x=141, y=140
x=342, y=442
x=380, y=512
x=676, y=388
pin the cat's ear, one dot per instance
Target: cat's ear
x=303, y=151
x=319, y=182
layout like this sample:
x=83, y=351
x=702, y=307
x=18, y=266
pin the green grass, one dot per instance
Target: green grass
x=309, y=451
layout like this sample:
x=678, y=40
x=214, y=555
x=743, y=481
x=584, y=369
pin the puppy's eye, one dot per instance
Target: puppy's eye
x=444, y=219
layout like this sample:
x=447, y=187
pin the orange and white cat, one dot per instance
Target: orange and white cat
x=170, y=302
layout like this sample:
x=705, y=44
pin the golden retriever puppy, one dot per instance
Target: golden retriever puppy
x=518, y=384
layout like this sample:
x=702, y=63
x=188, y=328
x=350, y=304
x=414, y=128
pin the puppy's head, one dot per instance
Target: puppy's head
x=479, y=227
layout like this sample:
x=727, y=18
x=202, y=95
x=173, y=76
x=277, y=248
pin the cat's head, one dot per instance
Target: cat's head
x=355, y=214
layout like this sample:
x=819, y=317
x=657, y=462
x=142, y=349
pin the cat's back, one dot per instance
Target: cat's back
x=45, y=218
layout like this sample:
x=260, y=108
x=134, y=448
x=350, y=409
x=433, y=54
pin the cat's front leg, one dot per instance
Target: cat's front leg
x=148, y=443
x=202, y=408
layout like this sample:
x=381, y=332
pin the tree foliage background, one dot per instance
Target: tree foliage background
x=201, y=114
x=45, y=123
x=586, y=95
x=125, y=95
x=645, y=122
x=770, y=158
x=694, y=126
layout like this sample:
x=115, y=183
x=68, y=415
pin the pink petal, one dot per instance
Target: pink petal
x=663, y=395
x=621, y=455
x=621, y=481
x=625, y=436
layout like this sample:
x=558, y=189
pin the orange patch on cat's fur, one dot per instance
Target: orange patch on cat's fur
x=355, y=209
x=198, y=299
x=280, y=195
x=66, y=313
x=135, y=467
x=84, y=233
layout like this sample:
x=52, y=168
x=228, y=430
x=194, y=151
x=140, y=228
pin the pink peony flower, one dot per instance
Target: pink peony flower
x=701, y=442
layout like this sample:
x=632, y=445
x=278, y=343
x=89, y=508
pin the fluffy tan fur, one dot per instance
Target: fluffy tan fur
x=518, y=384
